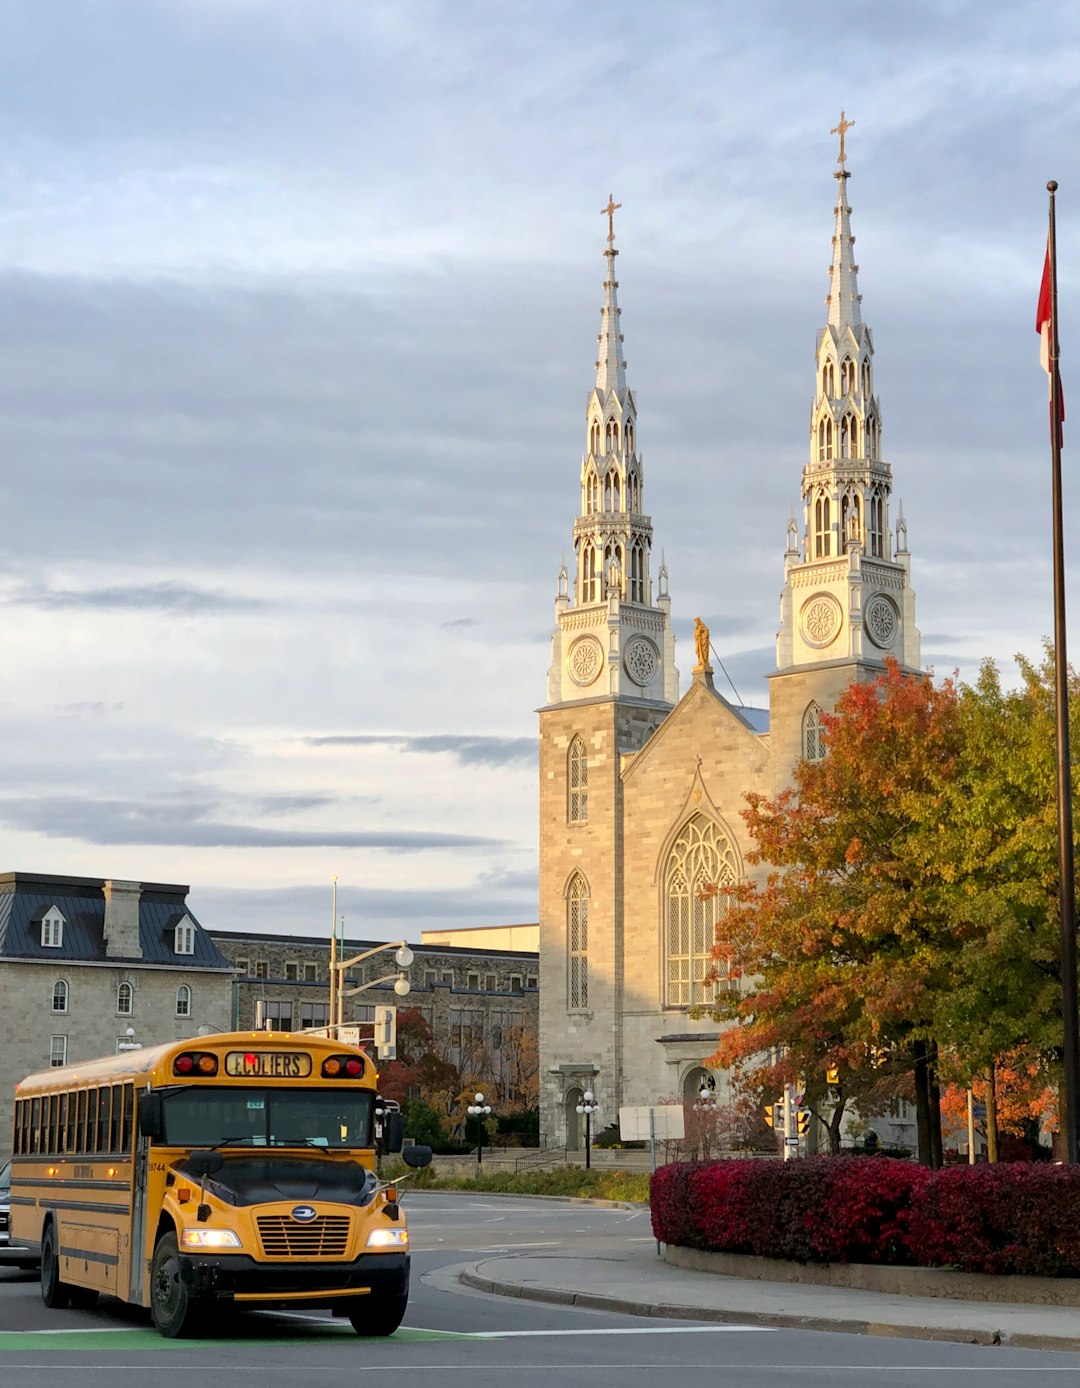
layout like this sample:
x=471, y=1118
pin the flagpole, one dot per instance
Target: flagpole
x=1070, y=1108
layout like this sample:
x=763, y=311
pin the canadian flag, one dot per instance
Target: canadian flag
x=1043, y=315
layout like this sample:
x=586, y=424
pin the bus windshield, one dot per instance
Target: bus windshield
x=202, y=1116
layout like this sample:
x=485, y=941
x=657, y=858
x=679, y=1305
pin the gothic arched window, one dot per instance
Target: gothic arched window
x=813, y=744
x=847, y=376
x=577, y=782
x=592, y=492
x=594, y=438
x=577, y=943
x=611, y=491
x=612, y=436
x=850, y=518
x=866, y=377
x=825, y=439
x=588, y=573
x=877, y=528
x=633, y=491
x=828, y=380
x=849, y=437
x=702, y=858
x=629, y=436
x=637, y=573
x=822, y=527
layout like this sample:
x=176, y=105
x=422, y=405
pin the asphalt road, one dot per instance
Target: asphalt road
x=455, y=1336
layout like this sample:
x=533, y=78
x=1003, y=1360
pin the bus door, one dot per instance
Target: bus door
x=138, y=1220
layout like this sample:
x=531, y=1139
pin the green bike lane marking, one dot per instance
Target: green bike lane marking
x=49, y=1340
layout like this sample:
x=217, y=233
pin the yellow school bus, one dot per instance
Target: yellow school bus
x=236, y=1169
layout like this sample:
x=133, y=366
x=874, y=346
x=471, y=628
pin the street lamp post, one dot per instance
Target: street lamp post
x=705, y=1108
x=478, y=1109
x=588, y=1107
x=403, y=958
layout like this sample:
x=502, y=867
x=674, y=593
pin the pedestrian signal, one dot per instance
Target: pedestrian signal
x=802, y=1121
x=832, y=1076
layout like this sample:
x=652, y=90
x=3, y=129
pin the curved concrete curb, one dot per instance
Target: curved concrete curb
x=592, y=1301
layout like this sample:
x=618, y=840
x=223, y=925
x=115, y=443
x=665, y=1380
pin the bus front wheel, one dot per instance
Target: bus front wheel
x=174, y=1311
x=54, y=1293
x=378, y=1315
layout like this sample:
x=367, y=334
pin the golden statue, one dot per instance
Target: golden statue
x=701, y=646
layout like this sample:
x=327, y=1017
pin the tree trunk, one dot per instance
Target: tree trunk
x=922, y=1103
x=836, y=1118
x=991, y=1116
x=936, y=1153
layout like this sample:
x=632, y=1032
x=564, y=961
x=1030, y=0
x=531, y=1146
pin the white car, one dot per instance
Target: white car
x=11, y=1255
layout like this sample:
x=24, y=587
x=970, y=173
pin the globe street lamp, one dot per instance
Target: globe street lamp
x=705, y=1109
x=588, y=1107
x=478, y=1109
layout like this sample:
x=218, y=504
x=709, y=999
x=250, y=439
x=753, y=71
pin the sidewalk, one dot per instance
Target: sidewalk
x=636, y=1282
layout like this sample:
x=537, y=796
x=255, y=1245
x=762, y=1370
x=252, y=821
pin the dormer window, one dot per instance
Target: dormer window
x=184, y=940
x=52, y=929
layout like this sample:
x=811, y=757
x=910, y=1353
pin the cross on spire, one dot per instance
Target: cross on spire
x=841, y=130
x=609, y=213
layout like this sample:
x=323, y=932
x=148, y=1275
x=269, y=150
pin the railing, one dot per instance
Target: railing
x=540, y=1157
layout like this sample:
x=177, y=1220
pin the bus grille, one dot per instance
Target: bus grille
x=325, y=1237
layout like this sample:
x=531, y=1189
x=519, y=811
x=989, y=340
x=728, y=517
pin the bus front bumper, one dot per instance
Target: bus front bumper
x=239, y=1278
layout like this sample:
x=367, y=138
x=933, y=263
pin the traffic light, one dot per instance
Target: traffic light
x=769, y=1114
x=386, y=1033
x=802, y=1121
x=832, y=1077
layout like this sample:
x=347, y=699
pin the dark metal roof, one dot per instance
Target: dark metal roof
x=25, y=898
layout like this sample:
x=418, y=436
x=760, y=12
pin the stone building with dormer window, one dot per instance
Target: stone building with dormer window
x=84, y=959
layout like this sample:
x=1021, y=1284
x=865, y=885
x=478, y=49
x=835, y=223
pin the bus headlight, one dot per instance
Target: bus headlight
x=388, y=1238
x=209, y=1238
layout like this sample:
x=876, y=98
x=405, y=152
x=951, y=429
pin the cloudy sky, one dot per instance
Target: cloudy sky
x=298, y=303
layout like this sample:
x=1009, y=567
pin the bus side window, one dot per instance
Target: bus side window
x=126, y=1132
x=80, y=1121
x=104, y=1096
x=72, y=1130
x=116, y=1143
x=61, y=1122
x=16, y=1145
x=91, y=1119
x=54, y=1109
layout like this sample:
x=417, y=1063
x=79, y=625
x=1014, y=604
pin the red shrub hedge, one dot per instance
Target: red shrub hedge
x=1001, y=1219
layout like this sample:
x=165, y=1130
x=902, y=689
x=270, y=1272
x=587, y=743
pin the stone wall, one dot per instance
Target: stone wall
x=91, y=1025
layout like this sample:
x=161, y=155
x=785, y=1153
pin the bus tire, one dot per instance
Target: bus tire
x=175, y=1314
x=54, y=1293
x=378, y=1315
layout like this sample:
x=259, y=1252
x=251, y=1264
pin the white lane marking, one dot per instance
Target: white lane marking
x=626, y=1330
x=75, y=1330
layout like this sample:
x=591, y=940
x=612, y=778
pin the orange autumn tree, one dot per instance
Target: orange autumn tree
x=846, y=944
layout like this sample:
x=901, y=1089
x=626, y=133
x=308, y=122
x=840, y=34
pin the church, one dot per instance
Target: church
x=641, y=790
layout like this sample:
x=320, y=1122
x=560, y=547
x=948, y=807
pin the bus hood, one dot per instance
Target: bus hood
x=260, y=1180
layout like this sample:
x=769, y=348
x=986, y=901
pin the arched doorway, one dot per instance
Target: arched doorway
x=575, y=1122
x=693, y=1082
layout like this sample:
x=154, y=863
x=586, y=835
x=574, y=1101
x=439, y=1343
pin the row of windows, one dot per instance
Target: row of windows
x=851, y=523
x=272, y=1015
x=612, y=491
x=849, y=376
x=482, y=1039
x=83, y=1122
x=125, y=999
x=609, y=432
x=843, y=442
x=294, y=970
x=612, y=569
x=53, y=922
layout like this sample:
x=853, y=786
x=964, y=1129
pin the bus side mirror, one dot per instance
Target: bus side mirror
x=416, y=1156
x=393, y=1131
x=203, y=1164
x=151, y=1117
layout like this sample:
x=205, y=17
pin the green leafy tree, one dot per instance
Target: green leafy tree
x=840, y=948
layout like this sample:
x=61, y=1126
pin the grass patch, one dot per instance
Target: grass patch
x=560, y=1180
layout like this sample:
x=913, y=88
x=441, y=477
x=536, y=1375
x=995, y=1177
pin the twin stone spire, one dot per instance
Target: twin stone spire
x=847, y=595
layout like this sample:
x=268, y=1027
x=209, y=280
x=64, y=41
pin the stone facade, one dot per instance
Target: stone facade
x=641, y=792
x=474, y=1000
x=76, y=1000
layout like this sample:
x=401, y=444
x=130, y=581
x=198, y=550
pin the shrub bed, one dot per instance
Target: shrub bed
x=997, y=1219
x=563, y=1180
